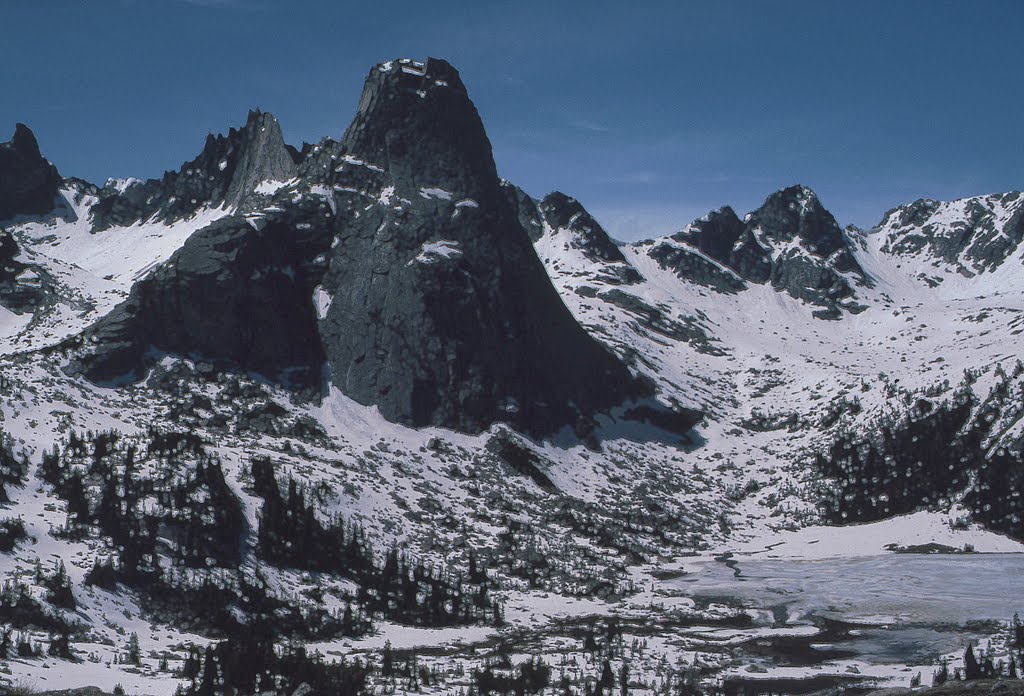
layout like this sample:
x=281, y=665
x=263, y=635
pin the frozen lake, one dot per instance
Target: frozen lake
x=900, y=588
x=926, y=602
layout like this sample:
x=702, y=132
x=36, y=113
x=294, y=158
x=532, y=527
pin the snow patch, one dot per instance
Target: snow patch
x=122, y=185
x=435, y=193
x=322, y=301
x=358, y=163
x=433, y=252
x=270, y=187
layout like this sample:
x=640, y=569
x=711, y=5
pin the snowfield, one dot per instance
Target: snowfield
x=633, y=535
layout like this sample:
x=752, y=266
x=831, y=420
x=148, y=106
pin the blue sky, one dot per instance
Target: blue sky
x=649, y=113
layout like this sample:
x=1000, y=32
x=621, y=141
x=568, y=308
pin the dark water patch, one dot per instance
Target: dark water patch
x=745, y=686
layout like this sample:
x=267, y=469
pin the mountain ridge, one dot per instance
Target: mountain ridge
x=215, y=485
x=431, y=303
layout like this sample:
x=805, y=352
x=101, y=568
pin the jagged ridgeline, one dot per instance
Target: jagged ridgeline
x=228, y=172
x=395, y=267
x=179, y=536
x=791, y=242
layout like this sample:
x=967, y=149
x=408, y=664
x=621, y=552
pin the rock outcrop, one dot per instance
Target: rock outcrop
x=791, y=241
x=23, y=287
x=234, y=293
x=441, y=313
x=566, y=215
x=970, y=235
x=28, y=182
x=704, y=252
x=228, y=172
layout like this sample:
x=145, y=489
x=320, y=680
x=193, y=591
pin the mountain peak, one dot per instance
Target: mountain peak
x=797, y=198
x=796, y=212
x=910, y=214
x=405, y=71
x=416, y=121
x=442, y=312
x=28, y=182
x=256, y=121
x=410, y=285
x=800, y=191
x=791, y=241
x=24, y=140
x=563, y=212
x=969, y=235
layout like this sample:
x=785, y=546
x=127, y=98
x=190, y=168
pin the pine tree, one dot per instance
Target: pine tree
x=60, y=645
x=208, y=684
x=972, y=670
x=134, y=652
x=607, y=682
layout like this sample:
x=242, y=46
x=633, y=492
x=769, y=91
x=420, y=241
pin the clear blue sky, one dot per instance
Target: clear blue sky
x=650, y=113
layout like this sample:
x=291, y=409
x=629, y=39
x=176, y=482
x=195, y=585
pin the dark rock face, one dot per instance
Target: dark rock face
x=28, y=183
x=23, y=287
x=816, y=251
x=697, y=268
x=791, y=241
x=318, y=162
x=562, y=212
x=232, y=293
x=527, y=210
x=226, y=172
x=411, y=279
x=973, y=235
x=714, y=236
x=441, y=312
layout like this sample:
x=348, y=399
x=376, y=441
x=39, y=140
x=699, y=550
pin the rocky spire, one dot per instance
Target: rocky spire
x=441, y=312
x=227, y=172
x=28, y=182
x=417, y=122
x=259, y=155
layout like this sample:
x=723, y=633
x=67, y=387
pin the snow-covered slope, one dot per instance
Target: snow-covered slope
x=92, y=270
x=207, y=499
x=936, y=241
